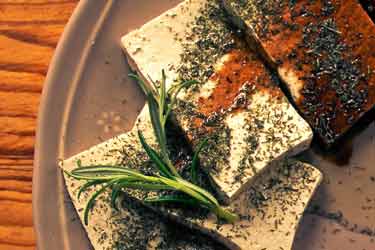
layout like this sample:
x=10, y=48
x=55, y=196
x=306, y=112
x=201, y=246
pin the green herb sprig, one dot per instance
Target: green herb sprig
x=118, y=178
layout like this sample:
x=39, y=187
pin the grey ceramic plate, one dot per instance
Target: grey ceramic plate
x=88, y=98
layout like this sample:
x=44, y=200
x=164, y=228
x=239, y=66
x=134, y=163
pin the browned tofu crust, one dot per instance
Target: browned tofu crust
x=323, y=50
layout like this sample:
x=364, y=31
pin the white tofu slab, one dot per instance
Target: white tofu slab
x=257, y=125
x=271, y=209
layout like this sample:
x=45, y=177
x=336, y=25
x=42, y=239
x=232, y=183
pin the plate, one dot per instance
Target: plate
x=88, y=98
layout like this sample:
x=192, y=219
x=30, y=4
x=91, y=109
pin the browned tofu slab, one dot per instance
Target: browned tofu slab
x=322, y=50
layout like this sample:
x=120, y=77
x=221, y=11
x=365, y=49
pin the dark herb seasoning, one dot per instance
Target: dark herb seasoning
x=218, y=148
x=138, y=228
x=263, y=15
x=342, y=91
x=252, y=144
x=208, y=41
x=218, y=135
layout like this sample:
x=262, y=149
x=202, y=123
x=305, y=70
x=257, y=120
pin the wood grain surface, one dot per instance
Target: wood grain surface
x=29, y=32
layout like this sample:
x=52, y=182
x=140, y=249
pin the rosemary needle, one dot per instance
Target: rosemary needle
x=160, y=101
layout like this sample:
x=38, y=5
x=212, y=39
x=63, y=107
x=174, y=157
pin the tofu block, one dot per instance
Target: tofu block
x=322, y=51
x=238, y=105
x=270, y=209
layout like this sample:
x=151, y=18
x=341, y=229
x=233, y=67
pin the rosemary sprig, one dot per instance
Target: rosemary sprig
x=161, y=102
x=117, y=178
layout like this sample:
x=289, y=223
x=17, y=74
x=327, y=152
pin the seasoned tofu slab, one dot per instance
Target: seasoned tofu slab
x=322, y=50
x=270, y=209
x=238, y=105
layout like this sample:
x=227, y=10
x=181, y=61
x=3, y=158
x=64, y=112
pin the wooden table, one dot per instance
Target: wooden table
x=29, y=32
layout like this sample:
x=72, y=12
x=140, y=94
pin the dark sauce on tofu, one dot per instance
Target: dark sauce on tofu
x=238, y=76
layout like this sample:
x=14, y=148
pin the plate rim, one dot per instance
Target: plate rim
x=46, y=112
